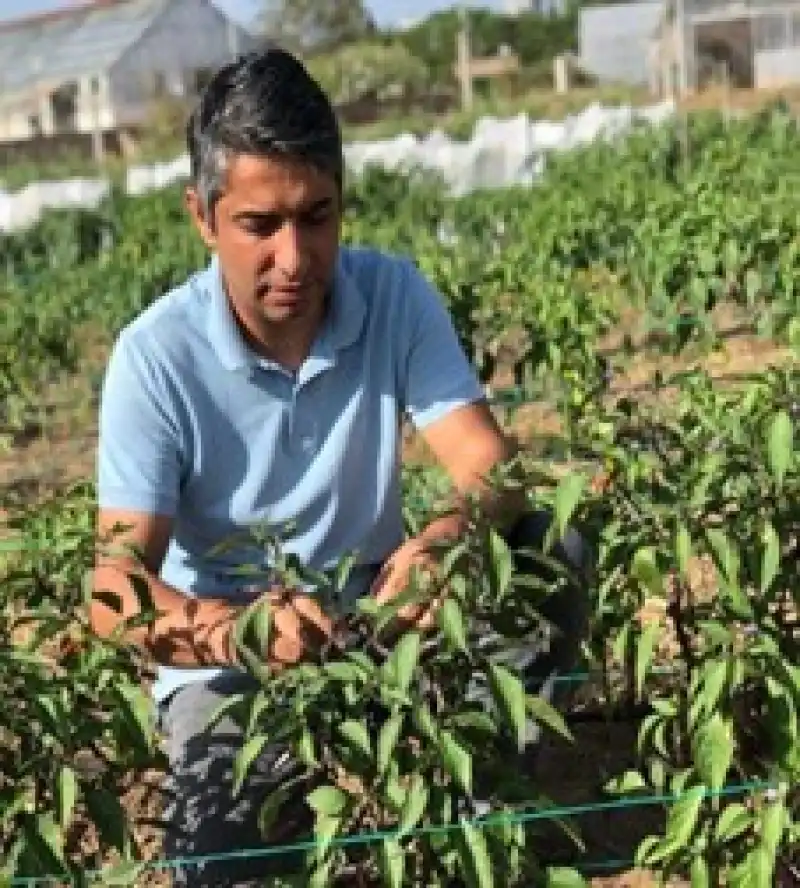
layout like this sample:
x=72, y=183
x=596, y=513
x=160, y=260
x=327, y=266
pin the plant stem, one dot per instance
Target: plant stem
x=677, y=615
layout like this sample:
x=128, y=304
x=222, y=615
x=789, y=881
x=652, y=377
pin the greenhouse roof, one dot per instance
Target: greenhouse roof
x=79, y=40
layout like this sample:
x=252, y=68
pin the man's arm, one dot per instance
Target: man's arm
x=190, y=631
x=141, y=457
x=445, y=401
x=468, y=443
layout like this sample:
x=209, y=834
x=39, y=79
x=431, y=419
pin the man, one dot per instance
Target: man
x=271, y=386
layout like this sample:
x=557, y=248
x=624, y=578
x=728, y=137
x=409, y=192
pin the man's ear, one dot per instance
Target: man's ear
x=197, y=211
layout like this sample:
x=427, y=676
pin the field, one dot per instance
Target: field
x=635, y=320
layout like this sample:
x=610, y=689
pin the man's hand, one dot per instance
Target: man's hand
x=298, y=626
x=396, y=575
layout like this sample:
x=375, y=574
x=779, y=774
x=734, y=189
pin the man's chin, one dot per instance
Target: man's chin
x=286, y=307
x=284, y=313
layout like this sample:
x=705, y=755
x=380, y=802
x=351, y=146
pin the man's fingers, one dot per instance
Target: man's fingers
x=286, y=642
x=387, y=592
x=311, y=616
x=286, y=650
x=428, y=619
x=304, y=609
x=397, y=580
x=297, y=624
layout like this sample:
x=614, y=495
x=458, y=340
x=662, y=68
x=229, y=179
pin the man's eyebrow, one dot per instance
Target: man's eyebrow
x=256, y=213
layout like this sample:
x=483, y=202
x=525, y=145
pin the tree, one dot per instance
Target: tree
x=534, y=38
x=370, y=68
x=305, y=26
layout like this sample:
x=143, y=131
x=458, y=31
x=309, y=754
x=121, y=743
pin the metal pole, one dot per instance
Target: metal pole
x=98, y=148
x=464, y=55
x=233, y=38
x=680, y=28
x=683, y=85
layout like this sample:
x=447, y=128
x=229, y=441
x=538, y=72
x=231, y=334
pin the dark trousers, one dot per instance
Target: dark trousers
x=201, y=816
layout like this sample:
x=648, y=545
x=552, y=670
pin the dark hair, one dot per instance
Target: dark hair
x=265, y=103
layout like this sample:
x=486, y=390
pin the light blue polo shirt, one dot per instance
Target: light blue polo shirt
x=193, y=424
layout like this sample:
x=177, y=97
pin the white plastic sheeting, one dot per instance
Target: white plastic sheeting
x=500, y=153
x=141, y=179
x=23, y=208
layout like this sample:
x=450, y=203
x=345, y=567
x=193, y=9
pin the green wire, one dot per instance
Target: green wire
x=381, y=835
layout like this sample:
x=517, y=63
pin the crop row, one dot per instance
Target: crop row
x=644, y=224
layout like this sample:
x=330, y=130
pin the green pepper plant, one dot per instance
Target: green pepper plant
x=409, y=736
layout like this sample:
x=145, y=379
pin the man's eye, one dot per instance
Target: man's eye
x=266, y=226
x=317, y=217
x=262, y=227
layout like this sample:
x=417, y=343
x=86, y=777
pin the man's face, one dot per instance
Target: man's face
x=276, y=231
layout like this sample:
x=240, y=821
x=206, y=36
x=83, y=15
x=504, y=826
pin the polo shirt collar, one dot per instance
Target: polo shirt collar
x=223, y=332
x=342, y=326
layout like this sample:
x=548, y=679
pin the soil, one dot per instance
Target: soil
x=740, y=101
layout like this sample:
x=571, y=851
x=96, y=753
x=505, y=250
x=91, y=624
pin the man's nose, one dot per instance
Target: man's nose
x=291, y=251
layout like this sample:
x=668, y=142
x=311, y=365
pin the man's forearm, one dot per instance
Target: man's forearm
x=189, y=631
x=502, y=508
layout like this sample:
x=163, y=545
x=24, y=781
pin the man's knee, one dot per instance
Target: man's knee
x=186, y=714
x=201, y=814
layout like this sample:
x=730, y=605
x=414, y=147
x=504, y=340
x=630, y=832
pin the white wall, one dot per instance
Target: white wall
x=15, y=125
x=92, y=109
x=501, y=152
x=614, y=41
x=777, y=67
x=94, y=104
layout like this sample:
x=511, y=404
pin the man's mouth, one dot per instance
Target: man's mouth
x=288, y=289
x=284, y=293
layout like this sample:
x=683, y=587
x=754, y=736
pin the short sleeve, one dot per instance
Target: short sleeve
x=139, y=449
x=437, y=377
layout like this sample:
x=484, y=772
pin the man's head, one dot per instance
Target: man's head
x=267, y=175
